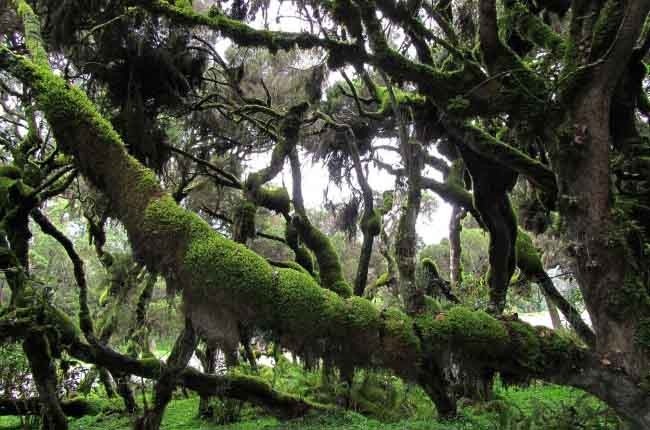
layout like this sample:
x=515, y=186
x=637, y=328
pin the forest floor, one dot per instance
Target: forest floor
x=539, y=406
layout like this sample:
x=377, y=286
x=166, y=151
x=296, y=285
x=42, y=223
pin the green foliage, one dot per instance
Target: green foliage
x=430, y=267
x=642, y=336
x=386, y=403
x=14, y=370
x=458, y=103
x=534, y=29
x=388, y=198
x=382, y=280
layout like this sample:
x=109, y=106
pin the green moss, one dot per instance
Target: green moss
x=244, y=221
x=153, y=364
x=289, y=265
x=184, y=4
x=11, y=172
x=303, y=256
x=371, y=224
x=360, y=314
x=103, y=297
x=147, y=181
x=70, y=106
x=330, y=270
x=403, y=98
x=528, y=259
x=526, y=343
x=400, y=326
x=382, y=280
x=241, y=33
x=387, y=200
x=642, y=335
x=274, y=198
x=305, y=259
x=532, y=28
x=32, y=26
x=472, y=331
x=430, y=268
x=64, y=326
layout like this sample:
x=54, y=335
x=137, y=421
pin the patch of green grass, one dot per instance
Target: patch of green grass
x=8, y=423
x=537, y=407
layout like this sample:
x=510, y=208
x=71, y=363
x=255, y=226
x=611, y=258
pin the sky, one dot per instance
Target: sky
x=315, y=179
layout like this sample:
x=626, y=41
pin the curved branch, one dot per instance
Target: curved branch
x=497, y=151
x=85, y=320
x=230, y=179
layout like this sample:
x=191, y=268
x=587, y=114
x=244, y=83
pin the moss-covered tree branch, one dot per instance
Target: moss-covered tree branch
x=508, y=156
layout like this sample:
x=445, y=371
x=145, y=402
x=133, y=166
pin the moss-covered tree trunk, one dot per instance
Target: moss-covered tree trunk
x=455, y=249
x=600, y=231
x=38, y=352
x=177, y=361
x=36, y=346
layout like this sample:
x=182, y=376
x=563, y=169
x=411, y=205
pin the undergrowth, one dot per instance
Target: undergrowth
x=376, y=400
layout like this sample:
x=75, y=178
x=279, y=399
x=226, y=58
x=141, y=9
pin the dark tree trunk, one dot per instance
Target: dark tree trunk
x=125, y=390
x=434, y=384
x=76, y=407
x=455, y=227
x=37, y=350
x=107, y=381
x=176, y=363
x=553, y=312
x=364, y=262
x=209, y=362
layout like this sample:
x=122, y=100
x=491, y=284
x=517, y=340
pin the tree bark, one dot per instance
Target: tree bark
x=606, y=270
x=455, y=227
x=76, y=407
x=37, y=350
x=552, y=311
x=107, y=381
x=209, y=361
x=177, y=361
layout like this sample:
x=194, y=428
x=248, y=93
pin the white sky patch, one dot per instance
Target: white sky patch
x=315, y=180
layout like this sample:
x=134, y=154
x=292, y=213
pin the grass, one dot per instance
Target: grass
x=387, y=403
x=540, y=406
